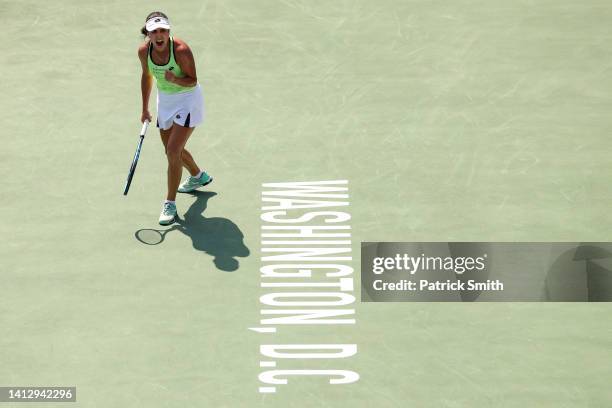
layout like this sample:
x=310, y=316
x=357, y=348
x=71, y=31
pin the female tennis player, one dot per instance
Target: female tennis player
x=180, y=105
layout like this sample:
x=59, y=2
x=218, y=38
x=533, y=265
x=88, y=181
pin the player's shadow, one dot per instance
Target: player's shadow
x=218, y=237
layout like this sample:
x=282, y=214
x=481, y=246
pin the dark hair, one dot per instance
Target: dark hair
x=143, y=30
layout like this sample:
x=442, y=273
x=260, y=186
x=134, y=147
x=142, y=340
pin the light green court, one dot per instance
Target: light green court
x=451, y=120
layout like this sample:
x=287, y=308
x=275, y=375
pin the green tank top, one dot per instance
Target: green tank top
x=158, y=71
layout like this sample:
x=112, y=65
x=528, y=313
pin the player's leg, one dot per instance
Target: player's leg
x=174, y=151
x=193, y=117
x=194, y=181
x=189, y=163
x=186, y=157
x=174, y=139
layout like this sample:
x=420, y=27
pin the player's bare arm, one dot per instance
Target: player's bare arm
x=146, y=81
x=184, y=59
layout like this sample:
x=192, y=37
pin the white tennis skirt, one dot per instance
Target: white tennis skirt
x=184, y=109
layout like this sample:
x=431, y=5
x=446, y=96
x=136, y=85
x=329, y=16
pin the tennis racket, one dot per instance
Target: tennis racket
x=145, y=125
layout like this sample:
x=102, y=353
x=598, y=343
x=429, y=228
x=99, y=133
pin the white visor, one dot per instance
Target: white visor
x=157, y=22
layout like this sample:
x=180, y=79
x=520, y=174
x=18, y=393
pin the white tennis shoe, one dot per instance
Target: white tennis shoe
x=168, y=213
x=192, y=183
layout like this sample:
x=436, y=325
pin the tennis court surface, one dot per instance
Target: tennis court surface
x=450, y=120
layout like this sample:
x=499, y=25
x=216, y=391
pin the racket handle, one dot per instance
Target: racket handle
x=145, y=125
